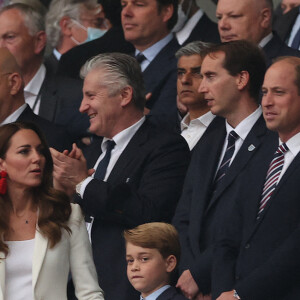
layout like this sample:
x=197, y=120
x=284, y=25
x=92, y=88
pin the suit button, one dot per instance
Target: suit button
x=237, y=277
x=247, y=246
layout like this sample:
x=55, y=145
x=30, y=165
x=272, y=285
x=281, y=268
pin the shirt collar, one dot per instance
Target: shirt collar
x=204, y=119
x=153, y=50
x=266, y=40
x=183, y=34
x=293, y=144
x=125, y=135
x=15, y=115
x=56, y=54
x=244, y=127
x=34, y=85
x=156, y=294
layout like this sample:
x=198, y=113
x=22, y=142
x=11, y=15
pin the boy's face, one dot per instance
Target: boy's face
x=147, y=270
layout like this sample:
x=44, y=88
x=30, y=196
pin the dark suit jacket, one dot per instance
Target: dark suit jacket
x=51, y=63
x=283, y=23
x=196, y=216
x=112, y=41
x=144, y=186
x=276, y=47
x=171, y=294
x=160, y=79
x=60, y=101
x=56, y=135
x=205, y=30
x=260, y=258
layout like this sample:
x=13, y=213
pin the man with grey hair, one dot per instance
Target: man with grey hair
x=55, y=98
x=70, y=23
x=199, y=117
x=133, y=172
x=251, y=20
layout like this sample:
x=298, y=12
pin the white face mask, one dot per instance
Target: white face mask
x=182, y=16
x=92, y=33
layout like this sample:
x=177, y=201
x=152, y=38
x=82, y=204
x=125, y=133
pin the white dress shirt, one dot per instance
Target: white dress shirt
x=242, y=130
x=151, y=52
x=121, y=139
x=266, y=40
x=183, y=34
x=15, y=115
x=32, y=89
x=193, y=130
x=294, y=147
x=156, y=294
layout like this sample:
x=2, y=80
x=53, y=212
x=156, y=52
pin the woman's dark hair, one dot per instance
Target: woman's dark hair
x=53, y=206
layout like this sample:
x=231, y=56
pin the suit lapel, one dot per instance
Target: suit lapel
x=49, y=99
x=40, y=249
x=2, y=275
x=247, y=150
x=129, y=153
x=294, y=165
x=204, y=173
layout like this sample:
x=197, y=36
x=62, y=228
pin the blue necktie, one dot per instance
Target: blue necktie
x=102, y=167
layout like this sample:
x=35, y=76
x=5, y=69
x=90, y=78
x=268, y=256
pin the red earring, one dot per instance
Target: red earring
x=3, y=182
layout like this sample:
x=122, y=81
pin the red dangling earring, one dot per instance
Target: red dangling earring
x=3, y=182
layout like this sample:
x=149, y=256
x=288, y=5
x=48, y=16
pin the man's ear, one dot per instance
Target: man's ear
x=15, y=83
x=126, y=95
x=242, y=80
x=167, y=12
x=171, y=263
x=65, y=26
x=40, y=42
x=266, y=18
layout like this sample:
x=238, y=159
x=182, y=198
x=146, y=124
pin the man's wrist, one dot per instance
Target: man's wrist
x=78, y=187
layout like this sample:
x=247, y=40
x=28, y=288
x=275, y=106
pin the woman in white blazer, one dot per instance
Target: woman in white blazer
x=43, y=236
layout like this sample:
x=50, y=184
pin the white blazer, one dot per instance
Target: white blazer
x=50, y=267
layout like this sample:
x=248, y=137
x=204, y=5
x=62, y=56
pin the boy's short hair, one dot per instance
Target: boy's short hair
x=155, y=235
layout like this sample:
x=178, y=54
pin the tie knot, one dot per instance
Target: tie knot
x=282, y=148
x=110, y=144
x=232, y=137
x=140, y=57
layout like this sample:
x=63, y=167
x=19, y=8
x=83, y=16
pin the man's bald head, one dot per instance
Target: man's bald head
x=250, y=20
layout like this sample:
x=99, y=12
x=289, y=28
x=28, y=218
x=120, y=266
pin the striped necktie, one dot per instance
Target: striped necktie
x=224, y=166
x=272, y=176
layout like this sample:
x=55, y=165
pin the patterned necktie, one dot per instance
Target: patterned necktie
x=102, y=167
x=140, y=57
x=272, y=176
x=232, y=137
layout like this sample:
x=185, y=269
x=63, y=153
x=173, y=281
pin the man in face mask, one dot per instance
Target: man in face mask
x=194, y=25
x=70, y=23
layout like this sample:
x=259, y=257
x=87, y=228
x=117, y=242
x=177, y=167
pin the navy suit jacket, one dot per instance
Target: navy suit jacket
x=56, y=135
x=196, y=216
x=260, y=258
x=276, y=47
x=144, y=186
x=283, y=23
x=205, y=30
x=60, y=101
x=113, y=40
x=171, y=294
x=160, y=79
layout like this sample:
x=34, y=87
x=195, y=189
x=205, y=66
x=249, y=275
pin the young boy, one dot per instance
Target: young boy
x=152, y=253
